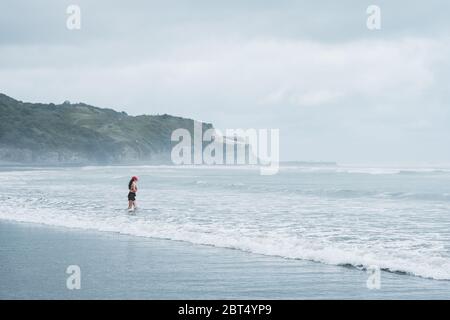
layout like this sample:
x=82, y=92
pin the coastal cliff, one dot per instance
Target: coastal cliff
x=78, y=133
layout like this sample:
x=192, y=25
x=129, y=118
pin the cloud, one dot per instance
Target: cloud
x=236, y=75
x=314, y=71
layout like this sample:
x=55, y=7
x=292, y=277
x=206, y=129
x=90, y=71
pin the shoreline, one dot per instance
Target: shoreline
x=194, y=244
x=116, y=266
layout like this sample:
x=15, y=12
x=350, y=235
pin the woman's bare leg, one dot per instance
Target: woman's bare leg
x=130, y=204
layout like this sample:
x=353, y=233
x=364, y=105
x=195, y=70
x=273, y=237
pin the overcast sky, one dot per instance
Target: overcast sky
x=336, y=90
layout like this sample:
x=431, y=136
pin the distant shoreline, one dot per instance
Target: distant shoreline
x=137, y=163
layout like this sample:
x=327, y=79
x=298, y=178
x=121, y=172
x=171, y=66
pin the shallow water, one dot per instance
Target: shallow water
x=396, y=219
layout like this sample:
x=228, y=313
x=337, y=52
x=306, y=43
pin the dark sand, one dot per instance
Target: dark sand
x=34, y=258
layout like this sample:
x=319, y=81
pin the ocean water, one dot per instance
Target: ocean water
x=393, y=218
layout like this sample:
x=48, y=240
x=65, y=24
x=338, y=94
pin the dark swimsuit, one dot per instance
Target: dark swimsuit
x=131, y=196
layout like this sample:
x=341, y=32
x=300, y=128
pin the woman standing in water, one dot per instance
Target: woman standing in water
x=132, y=187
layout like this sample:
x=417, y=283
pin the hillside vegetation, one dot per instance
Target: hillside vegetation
x=80, y=133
